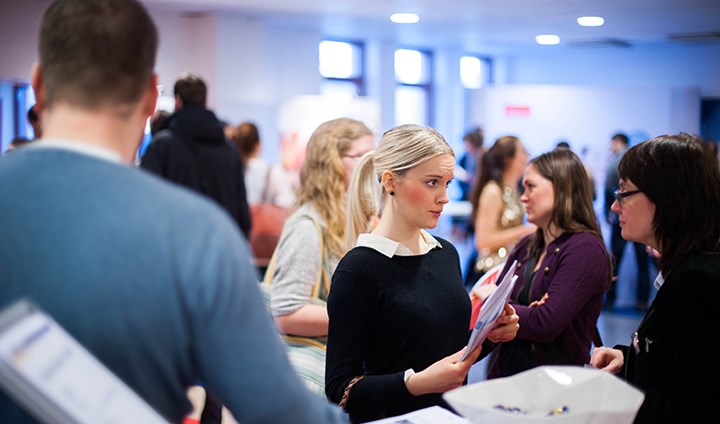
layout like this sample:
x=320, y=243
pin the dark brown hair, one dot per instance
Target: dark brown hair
x=679, y=177
x=191, y=89
x=490, y=167
x=573, y=210
x=96, y=52
x=246, y=138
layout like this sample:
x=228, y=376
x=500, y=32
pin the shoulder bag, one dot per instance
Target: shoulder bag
x=306, y=354
x=267, y=221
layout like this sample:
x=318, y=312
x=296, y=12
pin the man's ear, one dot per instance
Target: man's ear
x=151, y=96
x=38, y=88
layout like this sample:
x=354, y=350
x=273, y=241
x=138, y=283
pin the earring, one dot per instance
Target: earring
x=392, y=193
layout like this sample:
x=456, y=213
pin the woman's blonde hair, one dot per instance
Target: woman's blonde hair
x=322, y=175
x=400, y=149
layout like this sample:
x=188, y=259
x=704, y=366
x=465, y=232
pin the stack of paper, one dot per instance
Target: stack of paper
x=491, y=309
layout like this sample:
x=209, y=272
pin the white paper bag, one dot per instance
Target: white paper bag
x=589, y=396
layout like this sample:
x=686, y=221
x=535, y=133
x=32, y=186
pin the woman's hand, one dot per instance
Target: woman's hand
x=535, y=303
x=607, y=359
x=445, y=374
x=507, y=325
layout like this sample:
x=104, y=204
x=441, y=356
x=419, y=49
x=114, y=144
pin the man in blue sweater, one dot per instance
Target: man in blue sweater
x=153, y=279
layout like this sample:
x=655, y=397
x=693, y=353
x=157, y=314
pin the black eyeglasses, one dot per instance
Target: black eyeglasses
x=619, y=196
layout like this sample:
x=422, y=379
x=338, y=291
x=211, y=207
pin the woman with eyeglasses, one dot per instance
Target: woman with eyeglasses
x=564, y=269
x=669, y=199
x=313, y=237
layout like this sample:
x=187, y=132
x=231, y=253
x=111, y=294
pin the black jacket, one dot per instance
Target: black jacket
x=672, y=362
x=191, y=150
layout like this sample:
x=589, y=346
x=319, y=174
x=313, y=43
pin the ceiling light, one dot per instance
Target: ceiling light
x=404, y=18
x=590, y=21
x=547, y=39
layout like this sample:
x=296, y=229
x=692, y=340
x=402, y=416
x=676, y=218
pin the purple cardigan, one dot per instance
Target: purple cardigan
x=575, y=275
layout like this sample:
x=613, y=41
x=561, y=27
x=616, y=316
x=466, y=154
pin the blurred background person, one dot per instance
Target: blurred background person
x=497, y=211
x=33, y=118
x=261, y=177
x=618, y=147
x=467, y=163
x=462, y=226
x=269, y=193
x=313, y=241
x=157, y=121
x=190, y=149
x=564, y=144
x=17, y=142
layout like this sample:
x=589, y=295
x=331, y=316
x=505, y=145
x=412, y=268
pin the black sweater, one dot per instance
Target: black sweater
x=388, y=315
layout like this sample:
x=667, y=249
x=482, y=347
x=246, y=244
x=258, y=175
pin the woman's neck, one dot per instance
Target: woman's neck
x=550, y=233
x=510, y=179
x=410, y=237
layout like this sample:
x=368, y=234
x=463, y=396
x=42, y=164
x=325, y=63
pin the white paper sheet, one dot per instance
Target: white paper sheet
x=431, y=415
x=57, y=379
x=491, y=309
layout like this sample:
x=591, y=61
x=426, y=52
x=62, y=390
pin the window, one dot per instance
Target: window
x=24, y=99
x=475, y=72
x=341, y=67
x=413, y=72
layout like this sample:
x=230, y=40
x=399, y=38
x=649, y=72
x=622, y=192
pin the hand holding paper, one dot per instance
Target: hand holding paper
x=491, y=310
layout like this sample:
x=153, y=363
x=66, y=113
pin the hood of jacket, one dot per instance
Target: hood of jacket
x=198, y=124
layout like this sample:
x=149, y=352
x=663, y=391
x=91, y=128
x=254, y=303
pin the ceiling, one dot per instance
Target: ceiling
x=477, y=24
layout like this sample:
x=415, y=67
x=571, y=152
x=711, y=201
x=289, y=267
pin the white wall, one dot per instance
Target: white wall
x=585, y=116
x=19, y=26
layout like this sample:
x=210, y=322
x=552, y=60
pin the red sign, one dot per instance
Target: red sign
x=517, y=110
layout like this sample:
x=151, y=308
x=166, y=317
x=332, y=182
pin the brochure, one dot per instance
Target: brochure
x=429, y=415
x=49, y=373
x=491, y=309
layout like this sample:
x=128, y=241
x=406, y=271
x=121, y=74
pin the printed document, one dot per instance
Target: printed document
x=491, y=309
x=56, y=379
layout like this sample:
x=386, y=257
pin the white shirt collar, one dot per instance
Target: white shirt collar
x=391, y=248
x=79, y=147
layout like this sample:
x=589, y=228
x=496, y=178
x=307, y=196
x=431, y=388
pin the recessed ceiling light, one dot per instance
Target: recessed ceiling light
x=590, y=21
x=404, y=18
x=547, y=39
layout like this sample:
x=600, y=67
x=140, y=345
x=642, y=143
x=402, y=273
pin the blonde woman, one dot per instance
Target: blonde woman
x=313, y=238
x=399, y=315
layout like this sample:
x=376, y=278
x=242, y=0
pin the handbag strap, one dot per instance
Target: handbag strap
x=322, y=278
x=263, y=197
